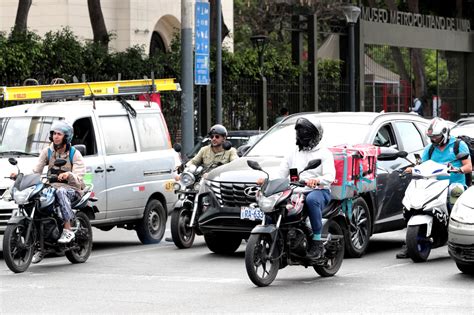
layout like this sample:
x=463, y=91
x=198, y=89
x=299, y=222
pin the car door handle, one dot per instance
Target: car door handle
x=110, y=169
x=99, y=170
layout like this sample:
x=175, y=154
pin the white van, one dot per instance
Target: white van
x=128, y=155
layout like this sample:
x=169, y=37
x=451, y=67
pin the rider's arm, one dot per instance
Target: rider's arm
x=284, y=170
x=328, y=170
x=233, y=154
x=466, y=167
x=198, y=158
x=78, y=170
x=42, y=162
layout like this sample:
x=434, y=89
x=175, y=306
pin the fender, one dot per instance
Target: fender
x=17, y=219
x=269, y=229
x=422, y=220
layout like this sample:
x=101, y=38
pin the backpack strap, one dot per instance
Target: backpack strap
x=456, y=146
x=72, y=151
x=430, y=151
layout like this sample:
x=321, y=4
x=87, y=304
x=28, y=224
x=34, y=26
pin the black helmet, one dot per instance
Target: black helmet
x=308, y=133
x=218, y=130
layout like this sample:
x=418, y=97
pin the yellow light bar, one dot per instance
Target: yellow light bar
x=87, y=90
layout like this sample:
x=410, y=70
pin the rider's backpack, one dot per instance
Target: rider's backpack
x=470, y=144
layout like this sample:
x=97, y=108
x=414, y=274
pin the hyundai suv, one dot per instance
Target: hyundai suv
x=379, y=211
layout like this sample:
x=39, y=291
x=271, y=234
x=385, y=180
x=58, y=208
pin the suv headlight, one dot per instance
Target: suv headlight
x=21, y=196
x=462, y=213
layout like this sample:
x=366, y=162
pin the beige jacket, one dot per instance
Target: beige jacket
x=207, y=157
x=76, y=170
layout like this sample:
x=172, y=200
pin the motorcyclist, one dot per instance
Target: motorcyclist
x=214, y=153
x=70, y=184
x=442, y=150
x=318, y=181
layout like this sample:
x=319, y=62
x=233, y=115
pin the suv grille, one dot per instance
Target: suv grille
x=231, y=194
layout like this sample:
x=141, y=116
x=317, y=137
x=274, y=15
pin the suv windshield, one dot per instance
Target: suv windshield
x=281, y=137
x=25, y=134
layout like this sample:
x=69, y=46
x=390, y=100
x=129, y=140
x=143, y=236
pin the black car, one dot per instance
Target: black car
x=382, y=210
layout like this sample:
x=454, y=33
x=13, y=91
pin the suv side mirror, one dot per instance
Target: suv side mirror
x=177, y=147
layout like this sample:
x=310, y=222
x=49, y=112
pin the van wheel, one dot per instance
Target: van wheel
x=151, y=228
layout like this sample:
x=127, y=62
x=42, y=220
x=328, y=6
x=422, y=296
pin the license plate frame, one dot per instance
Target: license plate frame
x=252, y=214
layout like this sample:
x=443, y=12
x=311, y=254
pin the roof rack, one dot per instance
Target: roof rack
x=87, y=89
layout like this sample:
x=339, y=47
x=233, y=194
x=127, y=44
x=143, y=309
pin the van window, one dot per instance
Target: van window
x=118, y=135
x=25, y=134
x=84, y=134
x=151, y=132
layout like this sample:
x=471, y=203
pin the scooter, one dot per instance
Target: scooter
x=426, y=205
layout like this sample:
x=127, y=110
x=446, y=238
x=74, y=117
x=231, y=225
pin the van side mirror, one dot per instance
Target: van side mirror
x=243, y=149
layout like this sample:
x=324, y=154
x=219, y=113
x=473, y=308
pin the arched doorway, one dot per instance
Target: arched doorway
x=163, y=34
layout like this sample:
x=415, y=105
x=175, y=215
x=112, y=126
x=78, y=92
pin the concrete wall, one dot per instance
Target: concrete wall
x=133, y=21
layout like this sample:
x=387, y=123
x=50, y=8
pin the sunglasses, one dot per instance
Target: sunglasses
x=214, y=136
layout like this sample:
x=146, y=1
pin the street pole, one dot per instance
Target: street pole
x=187, y=94
x=219, y=64
x=352, y=67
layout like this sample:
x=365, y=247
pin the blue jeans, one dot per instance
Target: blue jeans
x=315, y=201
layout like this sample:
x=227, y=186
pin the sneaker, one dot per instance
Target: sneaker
x=66, y=237
x=316, y=250
x=403, y=253
x=37, y=257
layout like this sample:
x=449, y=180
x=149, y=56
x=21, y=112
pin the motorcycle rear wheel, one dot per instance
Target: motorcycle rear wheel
x=261, y=269
x=182, y=234
x=81, y=245
x=418, y=245
x=17, y=251
x=335, y=261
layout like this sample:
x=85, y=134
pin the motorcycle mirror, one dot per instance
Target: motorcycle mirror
x=254, y=165
x=312, y=165
x=12, y=161
x=60, y=162
x=177, y=147
x=402, y=154
x=227, y=145
x=462, y=156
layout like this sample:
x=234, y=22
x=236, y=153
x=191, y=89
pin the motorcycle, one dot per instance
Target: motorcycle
x=283, y=237
x=184, y=217
x=38, y=224
x=425, y=204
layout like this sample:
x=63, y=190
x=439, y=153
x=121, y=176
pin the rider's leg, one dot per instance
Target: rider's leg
x=64, y=196
x=316, y=201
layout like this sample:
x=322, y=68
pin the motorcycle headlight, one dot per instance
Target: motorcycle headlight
x=21, y=196
x=462, y=213
x=267, y=204
x=187, y=179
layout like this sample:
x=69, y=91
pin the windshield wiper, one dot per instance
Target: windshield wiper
x=18, y=153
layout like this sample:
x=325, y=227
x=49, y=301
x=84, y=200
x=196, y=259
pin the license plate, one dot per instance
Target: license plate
x=247, y=213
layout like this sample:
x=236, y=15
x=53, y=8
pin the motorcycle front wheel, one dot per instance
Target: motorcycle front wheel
x=261, y=269
x=334, y=251
x=182, y=234
x=418, y=245
x=81, y=245
x=17, y=250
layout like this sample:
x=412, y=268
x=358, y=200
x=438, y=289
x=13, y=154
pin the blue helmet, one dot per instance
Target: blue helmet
x=63, y=127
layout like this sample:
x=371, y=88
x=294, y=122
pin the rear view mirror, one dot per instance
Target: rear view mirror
x=254, y=165
x=177, y=147
x=227, y=145
x=12, y=161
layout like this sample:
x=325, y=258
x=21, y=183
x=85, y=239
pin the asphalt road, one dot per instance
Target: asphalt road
x=123, y=276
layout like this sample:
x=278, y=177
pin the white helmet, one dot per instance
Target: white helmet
x=438, y=131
